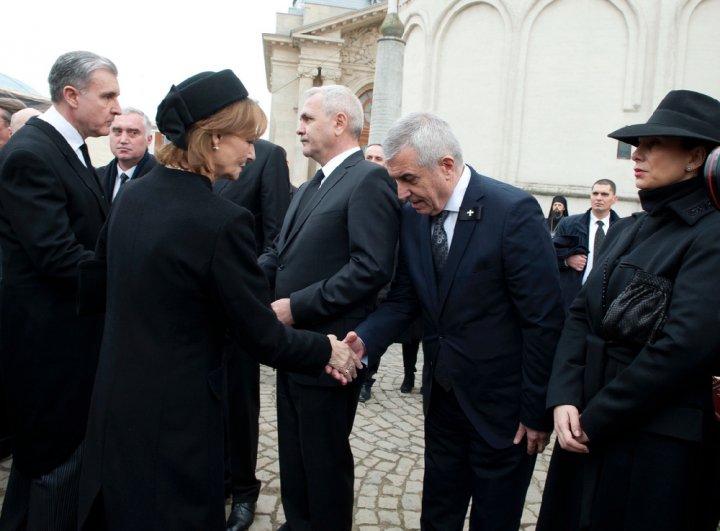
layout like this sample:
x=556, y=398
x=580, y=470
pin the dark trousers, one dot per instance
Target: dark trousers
x=47, y=502
x=460, y=465
x=317, y=471
x=242, y=414
x=409, y=354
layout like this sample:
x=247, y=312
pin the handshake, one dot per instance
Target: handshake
x=345, y=358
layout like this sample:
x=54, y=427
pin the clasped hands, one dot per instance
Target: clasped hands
x=351, y=346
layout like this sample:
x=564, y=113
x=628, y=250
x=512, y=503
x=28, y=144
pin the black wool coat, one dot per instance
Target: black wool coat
x=645, y=405
x=51, y=211
x=181, y=270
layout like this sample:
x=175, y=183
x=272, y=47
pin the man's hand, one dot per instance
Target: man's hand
x=569, y=431
x=536, y=440
x=282, y=310
x=576, y=262
x=355, y=343
x=343, y=364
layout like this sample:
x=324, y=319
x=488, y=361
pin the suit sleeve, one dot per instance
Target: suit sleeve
x=244, y=294
x=373, y=213
x=532, y=279
x=393, y=316
x=274, y=194
x=35, y=204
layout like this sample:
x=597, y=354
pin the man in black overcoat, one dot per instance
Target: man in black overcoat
x=335, y=251
x=130, y=136
x=52, y=207
x=264, y=189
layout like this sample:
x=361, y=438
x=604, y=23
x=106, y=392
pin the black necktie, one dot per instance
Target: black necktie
x=86, y=156
x=439, y=242
x=599, y=237
x=123, y=178
x=310, y=190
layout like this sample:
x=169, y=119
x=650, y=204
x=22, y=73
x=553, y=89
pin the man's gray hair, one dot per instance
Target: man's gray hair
x=429, y=135
x=339, y=98
x=75, y=69
x=146, y=120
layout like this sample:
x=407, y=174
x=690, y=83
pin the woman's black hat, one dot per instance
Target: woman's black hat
x=198, y=97
x=682, y=113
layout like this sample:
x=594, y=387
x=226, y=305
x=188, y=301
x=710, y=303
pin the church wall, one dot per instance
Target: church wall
x=532, y=87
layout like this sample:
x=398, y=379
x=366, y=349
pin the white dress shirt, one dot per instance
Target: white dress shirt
x=592, y=230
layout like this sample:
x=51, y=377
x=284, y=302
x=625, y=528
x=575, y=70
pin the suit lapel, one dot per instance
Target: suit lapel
x=86, y=175
x=469, y=217
x=299, y=218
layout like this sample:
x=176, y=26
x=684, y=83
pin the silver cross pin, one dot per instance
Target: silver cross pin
x=470, y=213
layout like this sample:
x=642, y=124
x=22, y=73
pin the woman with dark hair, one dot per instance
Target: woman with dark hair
x=637, y=441
x=181, y=270
x=558, y=210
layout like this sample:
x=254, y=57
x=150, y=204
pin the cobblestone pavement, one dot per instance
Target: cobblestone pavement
x=388, y=445
x=387, y=442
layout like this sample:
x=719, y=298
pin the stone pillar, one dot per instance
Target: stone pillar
x=387, y=89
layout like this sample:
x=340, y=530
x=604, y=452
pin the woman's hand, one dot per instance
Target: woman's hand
x=343, y=364
x=569, y=431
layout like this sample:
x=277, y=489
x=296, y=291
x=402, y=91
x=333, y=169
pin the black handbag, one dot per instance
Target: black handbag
x=640, y=311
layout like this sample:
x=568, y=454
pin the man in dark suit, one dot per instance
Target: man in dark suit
x=335, y=251
x=51, y=210
x=264, y=189
x=130, y=136
x=475, y=261
x=578, y=239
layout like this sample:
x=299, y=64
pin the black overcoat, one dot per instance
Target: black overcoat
x=181, y=270
x=645, y=406
x=51, y=211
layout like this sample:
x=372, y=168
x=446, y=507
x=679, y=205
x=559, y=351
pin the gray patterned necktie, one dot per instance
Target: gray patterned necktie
x=439, y=242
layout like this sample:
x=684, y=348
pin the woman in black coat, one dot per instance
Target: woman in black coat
x=181, y=270
x=631, y=384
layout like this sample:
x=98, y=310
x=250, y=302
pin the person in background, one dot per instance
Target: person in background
x=410, y=339
x=130, y=136
x=21, y=117
x=637, y=439
x=51, y=211
x=558, y=211
x=334, y=253
x=374, y=153
x=579, y=238
x=263, y=189
x=476, y=263
x=180, y=268
x=8, y=107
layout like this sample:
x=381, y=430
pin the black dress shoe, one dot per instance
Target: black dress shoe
x=241, y=516
x=408, y=382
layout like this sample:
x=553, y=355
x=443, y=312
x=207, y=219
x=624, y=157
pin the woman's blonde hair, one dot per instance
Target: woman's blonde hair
x=243, y=118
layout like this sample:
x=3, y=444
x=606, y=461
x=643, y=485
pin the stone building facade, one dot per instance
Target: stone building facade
x=531, y=87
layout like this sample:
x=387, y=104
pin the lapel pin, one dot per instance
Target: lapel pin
x=470, y=213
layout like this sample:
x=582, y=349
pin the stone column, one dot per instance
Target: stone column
x=387, y=89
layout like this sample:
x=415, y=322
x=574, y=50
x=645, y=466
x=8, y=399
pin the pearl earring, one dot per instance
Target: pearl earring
x=215, y=148
x=689, y=168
